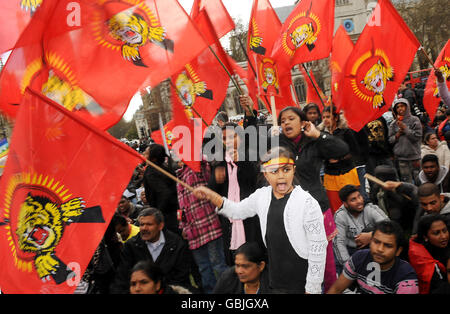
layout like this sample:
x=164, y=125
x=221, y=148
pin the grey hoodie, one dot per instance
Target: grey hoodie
x=443, y=171
x=348, y=227
x=407, y=146
x=444, y=211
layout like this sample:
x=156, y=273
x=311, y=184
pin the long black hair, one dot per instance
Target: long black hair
x=151, y=270
x=299, y=112
x=253, y=252
x=313, y=106
x=425, y=224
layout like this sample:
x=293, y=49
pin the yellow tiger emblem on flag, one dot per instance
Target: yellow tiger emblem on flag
x=40, y=228
x=188, y=91
x=270, y=79
x=304, y=35
x=30, y=5
x=376, y=80
x=134, y=31
x=64, y=93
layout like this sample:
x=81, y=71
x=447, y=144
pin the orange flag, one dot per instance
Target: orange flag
x=377, y=66
x=57, y=196
x=431, y=97
x=306, y=34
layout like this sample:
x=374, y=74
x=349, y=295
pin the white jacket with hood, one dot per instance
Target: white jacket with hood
x=303, y=221
x=441, y=151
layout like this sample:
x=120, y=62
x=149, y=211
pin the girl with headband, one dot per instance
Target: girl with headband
x=291, y=225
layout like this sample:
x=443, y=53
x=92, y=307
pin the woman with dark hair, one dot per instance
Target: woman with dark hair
x=147, y=278
x=160, y=190
x=236, y=177
x=311, y=148
x=432, y=145
x=249, y=275
x=428, y=252
x=313, y=114
x=339, y=171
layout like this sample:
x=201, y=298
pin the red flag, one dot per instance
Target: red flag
x=431, y=98
x=58, y=196
x=14, y=18
x=268, y=77
x=265, y=75
x=113, y=49
x=25, y=63
x=187, y=134
x=157, y=136
x=216, y=11
x=306, y=34
x=313, y=92
x=201, y=87
x=263, y=29
x=377, y=66
x=341, y=49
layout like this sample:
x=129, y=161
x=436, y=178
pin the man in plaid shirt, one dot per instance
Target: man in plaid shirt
x=201, y=226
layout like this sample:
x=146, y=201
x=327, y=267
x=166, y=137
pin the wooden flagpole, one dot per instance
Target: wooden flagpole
x=422, y=49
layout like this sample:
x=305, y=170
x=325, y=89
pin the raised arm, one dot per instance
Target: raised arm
x=442, y=88
x=242, y=210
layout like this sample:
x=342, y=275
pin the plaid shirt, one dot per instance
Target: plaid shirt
x=200, y=222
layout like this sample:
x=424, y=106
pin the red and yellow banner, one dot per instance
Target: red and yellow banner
x=377, y=66
x=57, y=196
x=306, y=34
x=431, y=97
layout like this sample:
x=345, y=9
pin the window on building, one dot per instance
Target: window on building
x=237, y=104
x=300, y=90
x=342, y=2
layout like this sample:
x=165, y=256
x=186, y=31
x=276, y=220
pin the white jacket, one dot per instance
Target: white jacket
x=441, y=151
x=303, y=221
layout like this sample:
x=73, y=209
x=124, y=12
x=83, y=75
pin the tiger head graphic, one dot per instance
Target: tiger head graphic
x=62, y=92
x=40, y=228
x=270, y=78
x=376, y=81
x=304, y=35
x=30, y=5
x=170, y=138
x=133, y=31
x=188, y=91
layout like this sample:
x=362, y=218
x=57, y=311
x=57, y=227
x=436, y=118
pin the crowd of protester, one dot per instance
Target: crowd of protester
x=303, y=218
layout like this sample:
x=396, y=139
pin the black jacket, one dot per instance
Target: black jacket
x=310, y=155
x=229, y=283
x=161, y=193
x=174, y=261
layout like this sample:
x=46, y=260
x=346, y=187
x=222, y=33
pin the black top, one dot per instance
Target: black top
x=229, y=283
x=309, y=157
x=287, y=270
x=174, y=260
